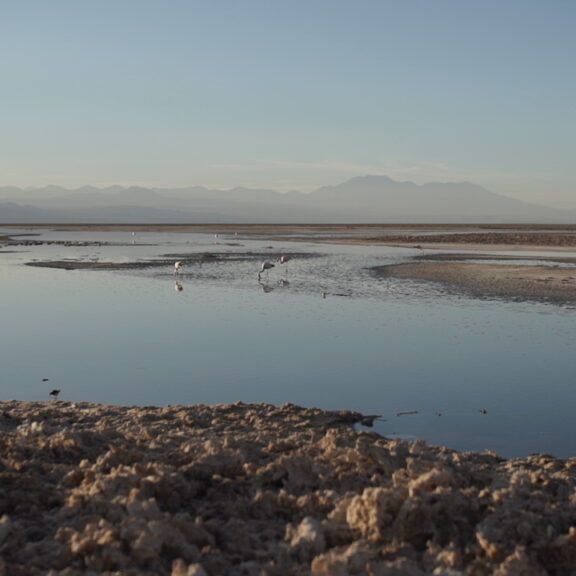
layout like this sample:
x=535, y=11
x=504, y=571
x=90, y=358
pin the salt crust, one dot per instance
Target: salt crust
x=266, y=491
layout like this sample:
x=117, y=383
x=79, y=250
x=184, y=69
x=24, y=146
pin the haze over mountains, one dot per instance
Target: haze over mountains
x=365, y=199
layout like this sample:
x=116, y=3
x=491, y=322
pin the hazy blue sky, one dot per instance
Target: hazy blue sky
x=289, y=94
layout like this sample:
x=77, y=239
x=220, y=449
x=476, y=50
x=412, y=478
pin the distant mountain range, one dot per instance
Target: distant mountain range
x=365, y=199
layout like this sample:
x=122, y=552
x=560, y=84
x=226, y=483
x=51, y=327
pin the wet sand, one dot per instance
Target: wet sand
x=261, y=490
x=511, y=281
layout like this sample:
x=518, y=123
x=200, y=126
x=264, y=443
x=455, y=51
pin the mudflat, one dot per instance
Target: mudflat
x=532, y=282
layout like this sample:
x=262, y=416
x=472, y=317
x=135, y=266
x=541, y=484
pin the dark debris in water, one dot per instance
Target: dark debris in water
x=166, y=260
x=236, y=256
x=95, y=265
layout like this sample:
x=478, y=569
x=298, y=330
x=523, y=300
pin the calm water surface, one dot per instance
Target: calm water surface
x=325, y=332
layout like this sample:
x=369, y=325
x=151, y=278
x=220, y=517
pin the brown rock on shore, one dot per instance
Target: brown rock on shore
x=264, y=490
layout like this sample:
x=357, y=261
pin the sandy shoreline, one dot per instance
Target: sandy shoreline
x=257, y=489
x=479, y=279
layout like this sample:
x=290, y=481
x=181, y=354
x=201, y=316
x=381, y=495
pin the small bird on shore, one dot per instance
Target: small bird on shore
x=54, y=394
x=178, y=266
x=265, y=267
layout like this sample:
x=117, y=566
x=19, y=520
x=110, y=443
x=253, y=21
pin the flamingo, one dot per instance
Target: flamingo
x=265, y=266
x=284, y=260
x=178, y=266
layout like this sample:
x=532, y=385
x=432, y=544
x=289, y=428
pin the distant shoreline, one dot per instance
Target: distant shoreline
x=475, y=236
x=272, y=225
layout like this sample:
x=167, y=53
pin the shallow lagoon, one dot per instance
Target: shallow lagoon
x=325, y=332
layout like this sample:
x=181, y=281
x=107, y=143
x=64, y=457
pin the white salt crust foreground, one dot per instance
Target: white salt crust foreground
x=262, y=490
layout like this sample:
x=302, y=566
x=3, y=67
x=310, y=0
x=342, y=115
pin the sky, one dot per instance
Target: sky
x=291, y=94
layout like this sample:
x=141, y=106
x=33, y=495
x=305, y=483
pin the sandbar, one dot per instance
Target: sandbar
x=538, y=282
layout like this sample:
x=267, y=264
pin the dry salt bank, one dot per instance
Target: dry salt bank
x=245, y=489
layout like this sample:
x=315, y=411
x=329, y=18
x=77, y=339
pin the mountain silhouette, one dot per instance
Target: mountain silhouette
x=363, y=199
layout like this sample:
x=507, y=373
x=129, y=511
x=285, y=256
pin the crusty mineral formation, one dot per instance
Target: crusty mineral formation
x=263, y=490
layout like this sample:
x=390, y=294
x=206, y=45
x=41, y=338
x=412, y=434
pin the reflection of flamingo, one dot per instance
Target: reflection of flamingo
x=178, y=287
x=265, y=267
x=265, y=288
x=178, y=266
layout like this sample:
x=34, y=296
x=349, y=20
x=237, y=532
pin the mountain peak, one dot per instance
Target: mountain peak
x=370, y=180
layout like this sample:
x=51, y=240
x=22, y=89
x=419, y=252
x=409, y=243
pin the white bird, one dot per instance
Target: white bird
x=178, y=266
x=265, y=267
x=284, y=260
